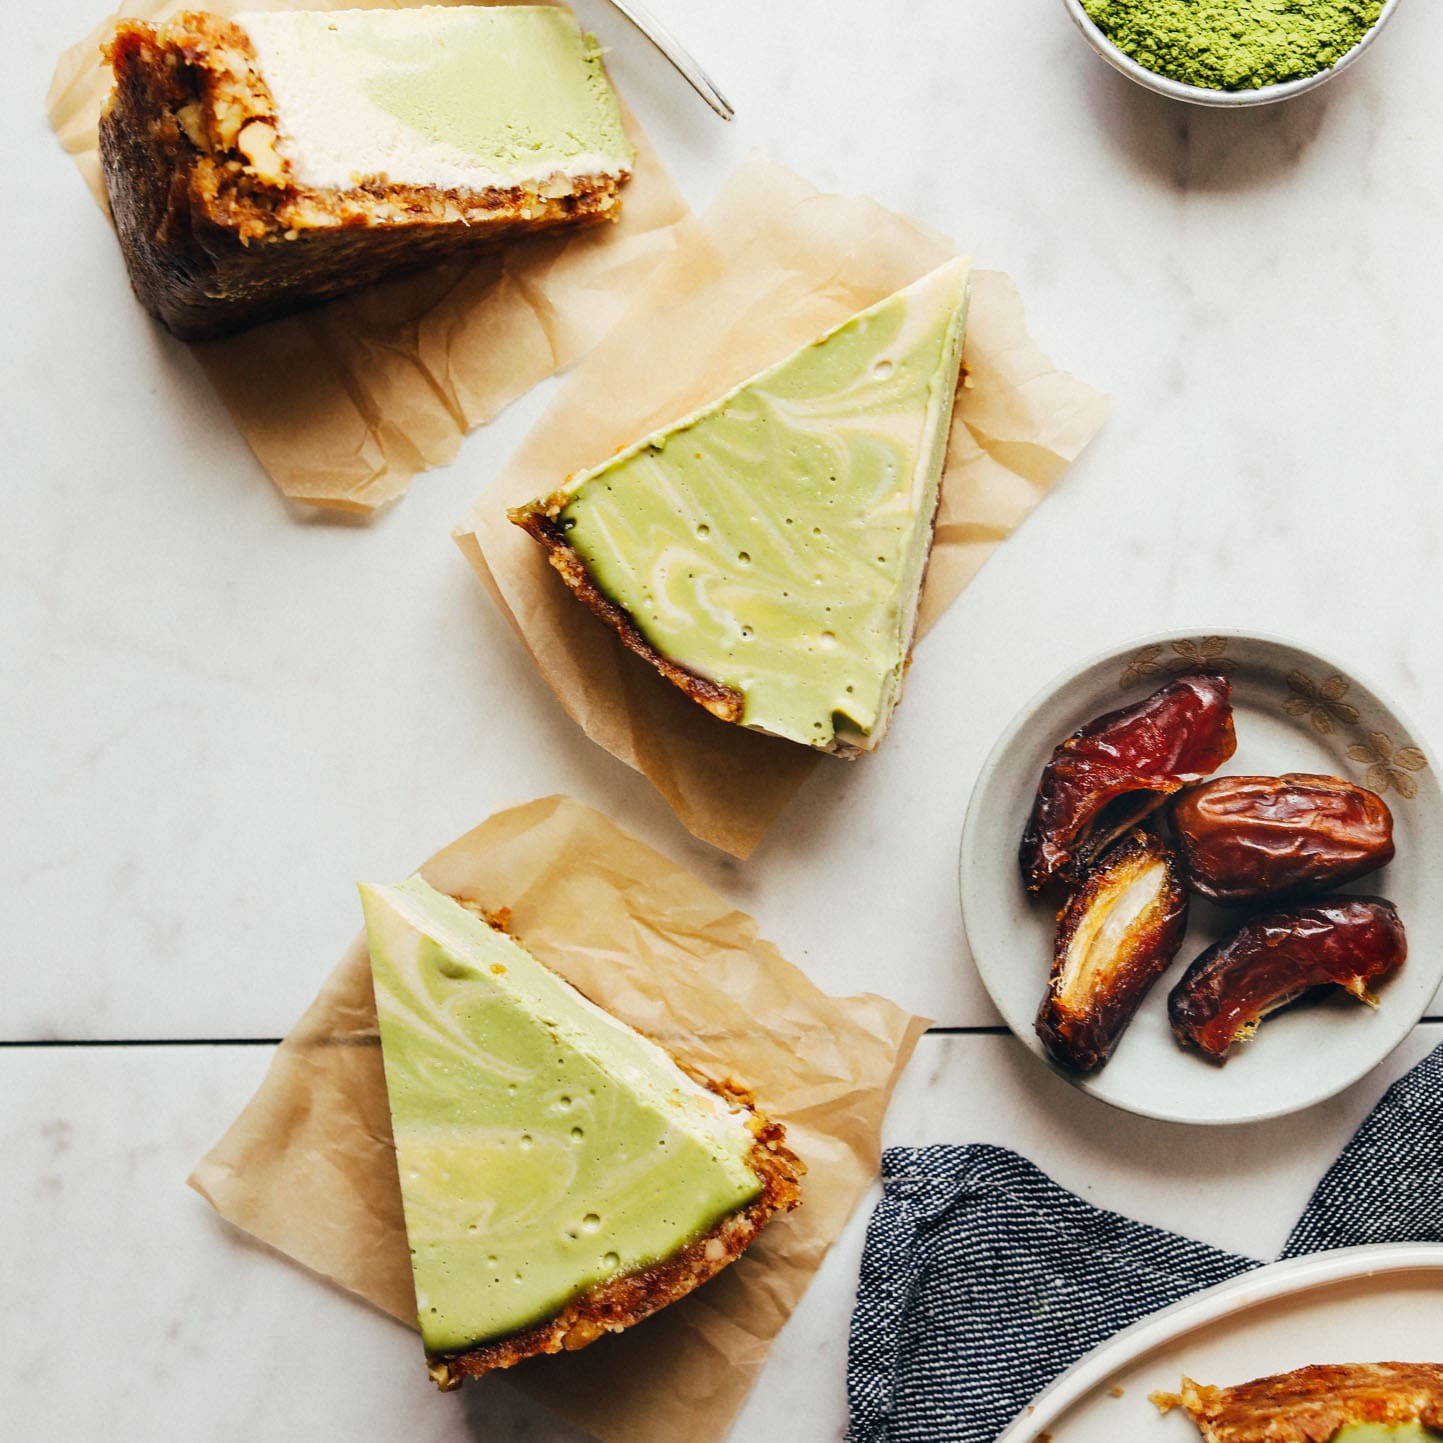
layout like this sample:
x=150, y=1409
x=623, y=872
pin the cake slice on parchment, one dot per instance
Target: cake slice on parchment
x=766, y=553
x=561, y=1175
x=261, y=163
x=1326, y=1403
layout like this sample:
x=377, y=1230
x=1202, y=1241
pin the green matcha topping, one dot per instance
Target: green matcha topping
x=438, y=94
x=774, y=542
x=546, y=92
x=1234, y=44
x=542, y=1145
x=1385, y=1433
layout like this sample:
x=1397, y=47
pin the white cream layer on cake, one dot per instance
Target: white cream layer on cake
x=457, y=97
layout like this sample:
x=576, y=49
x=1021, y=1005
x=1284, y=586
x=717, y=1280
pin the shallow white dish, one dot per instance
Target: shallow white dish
x=1205, y=95
x=1356, y=1305
x=1294, y=711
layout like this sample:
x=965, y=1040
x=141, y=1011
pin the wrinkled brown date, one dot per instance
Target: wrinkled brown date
x=1247, y=839
x=1118, y=768
x=1274, y=960
x=1115, y=937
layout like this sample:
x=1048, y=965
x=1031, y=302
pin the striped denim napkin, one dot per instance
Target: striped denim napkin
x=982, y=1279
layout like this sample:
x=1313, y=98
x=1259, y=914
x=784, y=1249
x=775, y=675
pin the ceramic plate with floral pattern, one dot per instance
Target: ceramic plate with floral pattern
x=1294, y=711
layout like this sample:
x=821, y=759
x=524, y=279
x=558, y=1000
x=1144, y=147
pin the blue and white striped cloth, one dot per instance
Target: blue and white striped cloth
x=982, y=1279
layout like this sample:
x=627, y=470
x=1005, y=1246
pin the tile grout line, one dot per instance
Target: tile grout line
x=40, y=1044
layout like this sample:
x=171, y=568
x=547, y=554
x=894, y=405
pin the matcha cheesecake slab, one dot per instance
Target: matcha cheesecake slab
x=265, y=162
x=1324, y=1403
x=562, y=1176
x=766, y=553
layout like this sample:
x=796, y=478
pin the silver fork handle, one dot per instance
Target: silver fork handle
x=677, y=55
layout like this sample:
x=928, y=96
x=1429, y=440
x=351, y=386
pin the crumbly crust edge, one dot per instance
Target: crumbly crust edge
x=540, y=521
x=621, y=1302
x=1310, y=1405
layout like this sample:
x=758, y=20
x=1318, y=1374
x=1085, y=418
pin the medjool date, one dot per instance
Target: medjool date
x=1248, y=839
x=1115, y=937
x=1108, y=775
x=1272, y=961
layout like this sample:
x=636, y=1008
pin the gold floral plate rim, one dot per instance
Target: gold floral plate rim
x=1288, y=696
x=1323, y=699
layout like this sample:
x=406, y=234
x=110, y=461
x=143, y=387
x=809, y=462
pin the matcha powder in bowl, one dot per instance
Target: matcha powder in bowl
x=1230, y=52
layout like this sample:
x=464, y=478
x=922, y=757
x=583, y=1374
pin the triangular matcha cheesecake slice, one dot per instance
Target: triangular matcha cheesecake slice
x=561, y=1175
x=766, y=553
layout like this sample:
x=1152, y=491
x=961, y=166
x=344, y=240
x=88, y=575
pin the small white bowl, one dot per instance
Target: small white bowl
x=1295, y=711
x=1204, y=95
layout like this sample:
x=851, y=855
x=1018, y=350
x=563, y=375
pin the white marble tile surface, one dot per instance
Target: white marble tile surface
x=218, y=711
x=131, y=1312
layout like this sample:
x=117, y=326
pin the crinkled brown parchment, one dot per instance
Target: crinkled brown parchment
x=772, y=265
x=309, y=1167
x=345, y=403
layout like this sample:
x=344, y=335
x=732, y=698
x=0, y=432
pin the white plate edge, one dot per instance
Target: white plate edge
x=1266, y=1284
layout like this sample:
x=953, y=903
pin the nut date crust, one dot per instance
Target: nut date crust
x=1121, y=766
x=1313, y=1403
x=1080, y=1027
x=1251, y=839
x=1345, y=942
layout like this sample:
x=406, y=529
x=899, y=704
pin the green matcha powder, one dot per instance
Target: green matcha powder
x=1234, y=44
